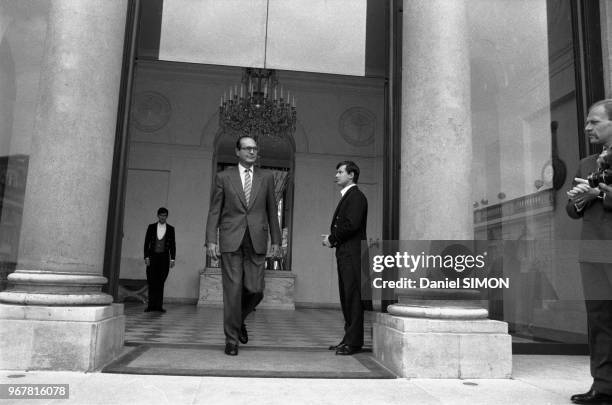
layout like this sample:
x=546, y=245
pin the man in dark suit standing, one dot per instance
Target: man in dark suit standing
x=159, y=256
x=594, y=206
x=243, y=209
x=348, y=229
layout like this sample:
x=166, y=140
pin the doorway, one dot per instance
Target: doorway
x=175, y=147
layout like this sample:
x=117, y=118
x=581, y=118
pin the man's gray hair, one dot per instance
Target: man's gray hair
x=607, y=105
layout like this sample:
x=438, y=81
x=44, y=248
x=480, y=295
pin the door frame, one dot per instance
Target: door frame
x=116, y=201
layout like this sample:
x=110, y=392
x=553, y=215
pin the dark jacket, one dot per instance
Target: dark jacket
x=348, y=227
x=151, y=236
x=596, y=235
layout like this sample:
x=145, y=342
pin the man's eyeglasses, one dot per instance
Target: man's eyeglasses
x=251, y=149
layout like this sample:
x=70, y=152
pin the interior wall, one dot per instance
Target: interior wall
x=178, y=179
x=173, y=127
x=317, y=197
x=334, y=117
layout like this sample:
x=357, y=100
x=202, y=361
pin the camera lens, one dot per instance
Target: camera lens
x=595, y=178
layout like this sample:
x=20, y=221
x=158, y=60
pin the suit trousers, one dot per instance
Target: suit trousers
x=597, y=285
x=349, y=284
x=157, y=273
x=243, y=286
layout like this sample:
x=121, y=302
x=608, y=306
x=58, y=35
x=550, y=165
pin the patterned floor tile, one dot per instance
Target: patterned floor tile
x=190, y=324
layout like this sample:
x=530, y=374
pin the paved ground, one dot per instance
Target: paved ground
x=537, y=380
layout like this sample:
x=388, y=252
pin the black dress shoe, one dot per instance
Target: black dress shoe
x=231, y=349
x=336, y=347
x=243, y=336
x=162, y=310
x=592, y=397
x=346, y=350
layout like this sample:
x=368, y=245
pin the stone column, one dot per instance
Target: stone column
x=438, y=334
x=436, y=140
x=61, y=250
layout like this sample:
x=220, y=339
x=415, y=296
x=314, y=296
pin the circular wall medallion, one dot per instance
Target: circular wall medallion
x=358, y=126
x=151, y=111
x=554, y=172
x=548, y=172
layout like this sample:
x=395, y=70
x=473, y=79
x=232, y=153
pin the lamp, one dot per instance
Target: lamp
x=257, y=107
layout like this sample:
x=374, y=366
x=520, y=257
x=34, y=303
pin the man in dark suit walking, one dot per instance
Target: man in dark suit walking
x=243, y=209
x=594, y=206
x=348, y=229
x=159, y=256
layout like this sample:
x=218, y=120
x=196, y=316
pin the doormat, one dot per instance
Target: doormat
x=208, y=360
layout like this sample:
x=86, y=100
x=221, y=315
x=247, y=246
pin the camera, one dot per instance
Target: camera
x=604, y=172
x=601, y=176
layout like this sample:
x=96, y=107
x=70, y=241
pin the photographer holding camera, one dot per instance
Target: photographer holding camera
x=591, y=200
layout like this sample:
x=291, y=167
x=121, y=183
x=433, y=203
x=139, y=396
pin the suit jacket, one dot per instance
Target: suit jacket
x=151, y=236
x=596, y=220
x=348, y=227
x=231, y=215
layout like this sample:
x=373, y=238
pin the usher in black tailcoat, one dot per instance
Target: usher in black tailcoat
x=348, y=229
x=159, y=264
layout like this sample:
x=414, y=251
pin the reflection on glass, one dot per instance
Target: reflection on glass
x=525, y=129
x=23, y=26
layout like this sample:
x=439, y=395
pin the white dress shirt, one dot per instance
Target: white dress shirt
x=345, y=189
x=161, y=231
x=242, y=171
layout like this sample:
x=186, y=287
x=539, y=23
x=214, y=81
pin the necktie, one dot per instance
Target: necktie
x=247, y=185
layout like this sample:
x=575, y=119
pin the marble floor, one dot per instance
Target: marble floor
x=190, y=324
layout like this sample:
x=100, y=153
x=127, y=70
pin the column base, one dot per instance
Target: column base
x=40, y=287
x=60, y=338
x=443, y=348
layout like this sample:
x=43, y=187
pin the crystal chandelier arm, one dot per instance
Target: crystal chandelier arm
x=257, y=114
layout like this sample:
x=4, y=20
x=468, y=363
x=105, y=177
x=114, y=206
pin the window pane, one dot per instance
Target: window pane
x=525, y=140
x=23, y=25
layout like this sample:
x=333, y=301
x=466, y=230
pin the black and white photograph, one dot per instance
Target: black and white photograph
x=306, y=202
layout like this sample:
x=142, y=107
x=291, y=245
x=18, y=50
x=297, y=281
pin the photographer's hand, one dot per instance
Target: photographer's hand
x=606, y=189
x=582, y=193
x=580, y=188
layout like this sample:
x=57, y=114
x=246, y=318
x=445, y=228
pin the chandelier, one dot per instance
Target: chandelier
x=257, y=107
